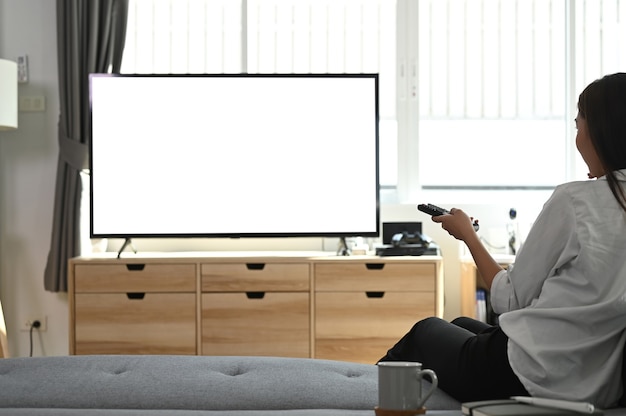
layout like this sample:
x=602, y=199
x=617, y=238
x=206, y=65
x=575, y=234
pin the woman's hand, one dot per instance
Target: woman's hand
x=458, y=224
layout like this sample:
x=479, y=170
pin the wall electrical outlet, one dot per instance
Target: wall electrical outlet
x=42, y=320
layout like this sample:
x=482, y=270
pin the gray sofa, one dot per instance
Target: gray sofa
x=191, y=386
x=120, y=385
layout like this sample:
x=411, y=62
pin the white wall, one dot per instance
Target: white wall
x=28, y=159
x=27, y=172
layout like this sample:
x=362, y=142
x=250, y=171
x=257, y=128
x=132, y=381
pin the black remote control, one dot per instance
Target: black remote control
x=434, y=210
x=431, y=209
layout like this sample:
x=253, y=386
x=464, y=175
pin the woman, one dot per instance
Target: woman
x=563, y=304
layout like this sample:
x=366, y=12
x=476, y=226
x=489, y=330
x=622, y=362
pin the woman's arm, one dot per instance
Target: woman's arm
x=459, y=225
x=551, y=244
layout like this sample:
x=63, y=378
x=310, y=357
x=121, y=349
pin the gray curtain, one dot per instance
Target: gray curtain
x=90, y=39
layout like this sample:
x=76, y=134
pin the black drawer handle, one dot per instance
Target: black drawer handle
x=375, y=266
x=135, y=267
x=255, y=295
x=255, y=266
x=136, y=295
x=376, y=295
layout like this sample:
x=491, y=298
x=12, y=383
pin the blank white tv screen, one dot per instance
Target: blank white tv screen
x=234, y=155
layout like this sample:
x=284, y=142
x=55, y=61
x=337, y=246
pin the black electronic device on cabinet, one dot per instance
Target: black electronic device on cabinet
x=405, y=239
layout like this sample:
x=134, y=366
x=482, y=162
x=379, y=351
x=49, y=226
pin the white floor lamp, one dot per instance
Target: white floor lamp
x=8, y=95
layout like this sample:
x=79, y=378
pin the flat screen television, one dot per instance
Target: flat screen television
x=234, y=155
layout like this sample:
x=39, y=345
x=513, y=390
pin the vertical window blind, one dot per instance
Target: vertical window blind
x=497, y=79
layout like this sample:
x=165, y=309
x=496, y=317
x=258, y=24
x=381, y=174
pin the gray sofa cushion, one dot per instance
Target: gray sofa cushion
x=188, y=383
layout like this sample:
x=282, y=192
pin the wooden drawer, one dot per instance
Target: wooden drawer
x=277, y=324
x=134, y=277
x=157, y=323
x=355, y=327
x=238, y=277
x=375, y=276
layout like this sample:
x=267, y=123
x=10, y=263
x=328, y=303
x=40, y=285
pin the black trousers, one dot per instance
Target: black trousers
x=469, y=357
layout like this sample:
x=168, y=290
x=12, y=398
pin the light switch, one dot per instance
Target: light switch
x=33, y=103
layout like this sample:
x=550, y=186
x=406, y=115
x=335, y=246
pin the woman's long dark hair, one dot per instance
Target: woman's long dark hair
x=603, y=106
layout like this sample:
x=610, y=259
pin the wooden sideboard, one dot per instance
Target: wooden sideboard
x=315, y=305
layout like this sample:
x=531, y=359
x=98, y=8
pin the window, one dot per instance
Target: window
x=492, y=92
x=475, y=94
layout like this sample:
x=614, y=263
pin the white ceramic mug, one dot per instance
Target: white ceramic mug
x=400, y=385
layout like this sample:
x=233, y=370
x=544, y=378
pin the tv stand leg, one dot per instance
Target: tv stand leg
x=127, y=242
x=343, y=249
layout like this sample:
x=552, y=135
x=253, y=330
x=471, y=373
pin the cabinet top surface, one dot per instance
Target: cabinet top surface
x=283, y=256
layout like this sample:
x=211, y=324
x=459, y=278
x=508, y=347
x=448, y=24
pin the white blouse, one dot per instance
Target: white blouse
x=563, y=302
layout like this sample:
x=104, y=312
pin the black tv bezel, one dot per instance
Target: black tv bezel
x=237, y=235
